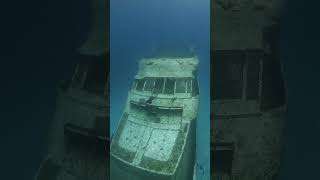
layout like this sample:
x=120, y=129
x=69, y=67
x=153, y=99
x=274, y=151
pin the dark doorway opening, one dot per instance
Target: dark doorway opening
x=221, y=158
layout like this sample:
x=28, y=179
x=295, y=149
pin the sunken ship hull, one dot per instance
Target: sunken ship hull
x=248, y=91
x=156, y=135
x=248, y=118
x=78, y=139
x=78, y=143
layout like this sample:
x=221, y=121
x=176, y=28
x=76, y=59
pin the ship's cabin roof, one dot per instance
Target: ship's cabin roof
x=168, y=67
x=169, y=60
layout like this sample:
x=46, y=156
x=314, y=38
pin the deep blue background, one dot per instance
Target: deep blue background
x=37, y=40
x=300, y=54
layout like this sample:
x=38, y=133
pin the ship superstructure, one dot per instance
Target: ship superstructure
x=248, y=94
x=79, y=132
x=156, y=135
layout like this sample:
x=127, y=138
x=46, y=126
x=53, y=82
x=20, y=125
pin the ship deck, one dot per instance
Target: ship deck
x=151, y=146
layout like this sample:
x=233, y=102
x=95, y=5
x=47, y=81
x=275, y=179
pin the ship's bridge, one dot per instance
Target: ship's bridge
x=166, y=86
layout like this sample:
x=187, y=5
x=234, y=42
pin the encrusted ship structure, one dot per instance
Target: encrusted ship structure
x=248, y=92
x=79, y=134
x=156, y=135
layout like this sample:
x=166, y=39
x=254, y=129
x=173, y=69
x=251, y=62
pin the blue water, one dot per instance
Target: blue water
x=137, y=27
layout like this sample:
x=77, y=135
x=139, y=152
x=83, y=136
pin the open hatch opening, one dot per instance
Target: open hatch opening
x=222, y=157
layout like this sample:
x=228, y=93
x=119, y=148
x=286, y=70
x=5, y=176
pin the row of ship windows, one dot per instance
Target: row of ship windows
x=166, y=85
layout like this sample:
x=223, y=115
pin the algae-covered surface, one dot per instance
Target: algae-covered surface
x=169, y=166
x=118, y=151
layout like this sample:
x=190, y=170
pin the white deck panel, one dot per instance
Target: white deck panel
x=131, y=136
x=161, y=144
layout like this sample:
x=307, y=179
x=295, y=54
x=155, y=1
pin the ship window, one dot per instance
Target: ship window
x=228, y=74
x=78, y=75
x=140, y=84
x=189, y=85
x=158, y=85
x=169, y=86
x=195, y=88
x=96, y=78
x=181, y=86
x=134, y=84
x=149, y=84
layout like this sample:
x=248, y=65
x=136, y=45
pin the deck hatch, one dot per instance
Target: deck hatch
x=131, y=136
x=160, y=144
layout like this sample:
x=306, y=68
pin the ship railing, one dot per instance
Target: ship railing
x=144, y=104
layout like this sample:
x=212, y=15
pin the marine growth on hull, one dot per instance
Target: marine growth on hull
x=156, y=133
x=248, y=98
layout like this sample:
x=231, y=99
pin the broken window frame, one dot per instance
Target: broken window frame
x=171, y=82
x=153, y=83
x=185, y=85
x=162, y=86
x=138, y=84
